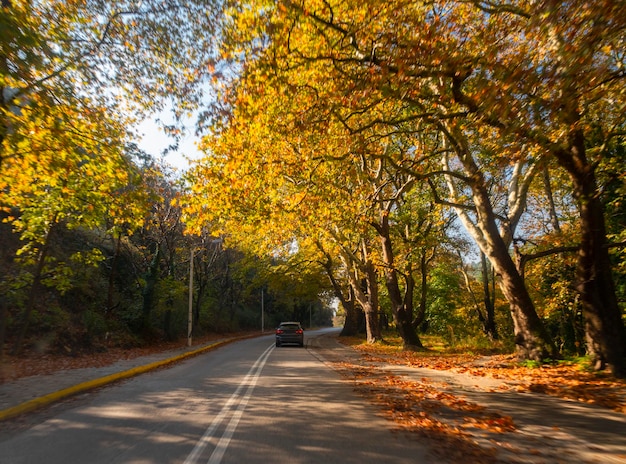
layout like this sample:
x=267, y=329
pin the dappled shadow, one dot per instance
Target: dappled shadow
x=514, y=427
x=302, y=413
x=299, y=412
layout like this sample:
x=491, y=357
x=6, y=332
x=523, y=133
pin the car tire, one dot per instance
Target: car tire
x=277, y=343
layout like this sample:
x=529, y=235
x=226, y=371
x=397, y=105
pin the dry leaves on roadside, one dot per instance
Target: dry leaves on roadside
x=563, y=380
x=32, y=363
x=415, y=408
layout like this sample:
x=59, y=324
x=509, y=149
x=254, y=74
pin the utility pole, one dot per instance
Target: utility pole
x=262, y=313
x=190, y=317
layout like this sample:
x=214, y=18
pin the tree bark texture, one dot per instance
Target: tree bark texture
x=489, y=323
x=531, y=337
x=401, y=306
x=604, y=326
x=367, y=298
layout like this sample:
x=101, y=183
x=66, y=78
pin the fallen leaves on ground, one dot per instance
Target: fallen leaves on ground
x=33, y=363
x=413, y=407
x=464, y=431
x=563, y=380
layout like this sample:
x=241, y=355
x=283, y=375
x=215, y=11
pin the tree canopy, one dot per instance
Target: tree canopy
x=472, y=99
x=349, y=147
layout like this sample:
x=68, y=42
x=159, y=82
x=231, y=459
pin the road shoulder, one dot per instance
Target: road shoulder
x=503, y=424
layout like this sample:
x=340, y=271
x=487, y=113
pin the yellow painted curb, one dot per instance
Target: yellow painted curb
x=45, y=400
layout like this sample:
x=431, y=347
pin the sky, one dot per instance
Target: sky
x=154, y=141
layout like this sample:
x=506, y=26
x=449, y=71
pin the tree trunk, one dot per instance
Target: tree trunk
x=351, y=324
x=367, y=298
x=152, y=277
x=370, y=305
x=485, y=318
x=554, y=218
x=531, y=338
x=401, y=306
x=363, y=280
x=111, y=289
x=490, y=322
x=604, y=327
x=35, y=289
x=419, y=318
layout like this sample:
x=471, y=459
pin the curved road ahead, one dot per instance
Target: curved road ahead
x=247, y=402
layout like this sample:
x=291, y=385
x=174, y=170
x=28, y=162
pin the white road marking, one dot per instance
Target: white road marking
x=249, y=381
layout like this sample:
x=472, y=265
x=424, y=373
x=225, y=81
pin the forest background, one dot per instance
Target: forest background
x=445, y=167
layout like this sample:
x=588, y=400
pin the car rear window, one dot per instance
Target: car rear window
x=290, y=326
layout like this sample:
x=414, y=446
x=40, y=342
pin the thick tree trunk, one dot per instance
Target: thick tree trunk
x=367, y=298
x=531, y=338
x=364, y=283
x=351, y=324
x=604, y=326
x=370, y=305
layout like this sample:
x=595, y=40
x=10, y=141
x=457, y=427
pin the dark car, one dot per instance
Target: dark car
x=289, y=333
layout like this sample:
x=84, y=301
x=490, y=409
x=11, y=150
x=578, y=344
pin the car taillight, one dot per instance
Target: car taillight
x=279, y=331
x=299, y=331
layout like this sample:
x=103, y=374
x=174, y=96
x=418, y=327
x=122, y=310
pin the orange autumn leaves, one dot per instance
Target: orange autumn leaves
x=568, y=380
x=459, y=429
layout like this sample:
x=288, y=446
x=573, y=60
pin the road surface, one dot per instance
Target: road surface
x=247, y=402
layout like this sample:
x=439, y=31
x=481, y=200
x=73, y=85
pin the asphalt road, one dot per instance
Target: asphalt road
x=247, y=402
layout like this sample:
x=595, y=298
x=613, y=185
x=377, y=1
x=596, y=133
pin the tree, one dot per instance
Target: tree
x=371, y=90
x=342, y=290
x=63, y=188
x=569, y=88
x=75, y=78
x=480, y=80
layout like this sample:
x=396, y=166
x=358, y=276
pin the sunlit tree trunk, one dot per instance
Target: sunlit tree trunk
x=364, y=283
x=351, y=324
x=369, y=302
x=363, y=279
x=531, y=337
x=547, y=185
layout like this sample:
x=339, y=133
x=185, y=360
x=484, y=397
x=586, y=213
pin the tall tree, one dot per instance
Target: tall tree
x=480, y=76
x=75, y=78
x=344, y=65
x=568, y=80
